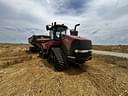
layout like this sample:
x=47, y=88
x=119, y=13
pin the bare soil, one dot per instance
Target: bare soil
x=25, y=74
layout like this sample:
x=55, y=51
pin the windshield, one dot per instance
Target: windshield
x=61, y=29
x=61, y=32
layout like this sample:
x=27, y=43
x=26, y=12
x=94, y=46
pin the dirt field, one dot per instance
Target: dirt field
x=25, y=74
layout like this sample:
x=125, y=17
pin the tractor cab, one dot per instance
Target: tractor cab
x=57, y=31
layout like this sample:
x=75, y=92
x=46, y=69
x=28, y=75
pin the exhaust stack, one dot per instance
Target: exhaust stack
x=73, y=31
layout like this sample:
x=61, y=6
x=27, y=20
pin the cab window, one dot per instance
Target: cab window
x=61, y=32
x=51, y=35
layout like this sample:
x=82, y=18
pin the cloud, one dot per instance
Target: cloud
x=69, y=7
x=108, y=19
x=17, y=17
x=103, y=21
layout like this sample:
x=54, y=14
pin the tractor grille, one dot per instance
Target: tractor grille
x=83, y=55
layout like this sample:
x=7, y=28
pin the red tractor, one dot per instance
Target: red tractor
x=61, y=49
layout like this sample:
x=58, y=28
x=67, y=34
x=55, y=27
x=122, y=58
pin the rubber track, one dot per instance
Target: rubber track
x=58, y=54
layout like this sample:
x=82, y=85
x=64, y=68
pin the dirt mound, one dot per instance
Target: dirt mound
x=25, y=74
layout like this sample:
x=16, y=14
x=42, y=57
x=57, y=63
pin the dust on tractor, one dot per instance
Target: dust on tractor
x=61, y=49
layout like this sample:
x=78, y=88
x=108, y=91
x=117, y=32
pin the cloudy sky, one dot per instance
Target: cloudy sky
x=102, y=21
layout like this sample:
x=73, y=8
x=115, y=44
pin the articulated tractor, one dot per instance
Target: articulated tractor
x=61, y=49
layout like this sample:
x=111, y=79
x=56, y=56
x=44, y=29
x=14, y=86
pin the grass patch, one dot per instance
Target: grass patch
x=121, y=62
x=114, y=48
x=10, y=63
x=6, y=62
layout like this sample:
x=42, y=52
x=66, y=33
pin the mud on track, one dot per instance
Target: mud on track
x=25, y=74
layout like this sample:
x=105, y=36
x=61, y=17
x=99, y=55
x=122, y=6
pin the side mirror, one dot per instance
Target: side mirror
x=47, y=27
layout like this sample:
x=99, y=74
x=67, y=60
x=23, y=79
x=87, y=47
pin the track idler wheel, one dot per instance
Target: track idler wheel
x=33, y=49
x=42, y=55
x=59, y=66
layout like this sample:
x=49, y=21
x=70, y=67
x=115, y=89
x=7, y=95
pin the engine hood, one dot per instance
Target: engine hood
x=73, y=43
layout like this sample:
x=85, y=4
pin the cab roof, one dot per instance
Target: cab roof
x=59, y=25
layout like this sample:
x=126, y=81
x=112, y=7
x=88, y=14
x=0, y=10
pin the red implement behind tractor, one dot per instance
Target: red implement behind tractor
x=61, y=49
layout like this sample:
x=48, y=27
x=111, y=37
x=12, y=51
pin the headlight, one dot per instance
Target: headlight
x=81, y=51
x=76, y=51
